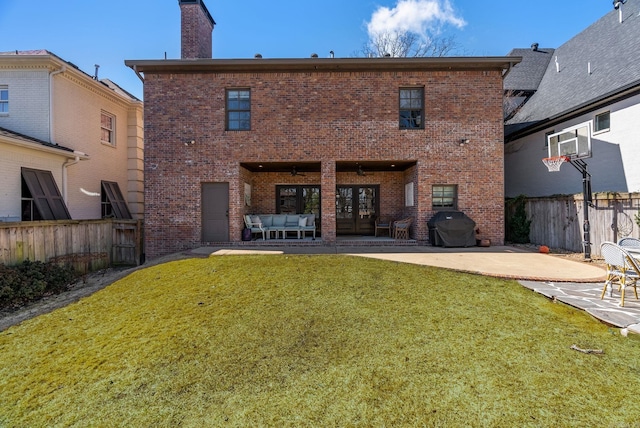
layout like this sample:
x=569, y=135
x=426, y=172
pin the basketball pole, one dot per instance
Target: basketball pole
x=581, y=166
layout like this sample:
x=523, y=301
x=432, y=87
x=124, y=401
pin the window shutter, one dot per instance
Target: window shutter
x=118, y=204
x=45, y=194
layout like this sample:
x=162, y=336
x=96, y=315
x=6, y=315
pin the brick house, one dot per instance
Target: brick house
x=75, y=136
x=345, y=138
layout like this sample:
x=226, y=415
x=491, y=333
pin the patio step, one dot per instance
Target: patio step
x=341, y=242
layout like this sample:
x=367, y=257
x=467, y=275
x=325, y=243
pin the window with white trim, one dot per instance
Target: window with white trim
x=107, y=128
x=602, y=122
x=4, y=99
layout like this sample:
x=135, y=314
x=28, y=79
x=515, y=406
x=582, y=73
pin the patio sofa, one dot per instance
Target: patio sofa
x=266, y=224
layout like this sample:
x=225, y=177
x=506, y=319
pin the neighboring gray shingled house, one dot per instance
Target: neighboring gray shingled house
x=594, y=77
x=523, y=79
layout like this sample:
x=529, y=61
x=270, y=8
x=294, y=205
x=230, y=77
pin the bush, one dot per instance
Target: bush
x=31, y=280
x=518, y=226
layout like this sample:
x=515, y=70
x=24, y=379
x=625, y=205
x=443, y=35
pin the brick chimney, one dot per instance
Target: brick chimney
x=197, y=26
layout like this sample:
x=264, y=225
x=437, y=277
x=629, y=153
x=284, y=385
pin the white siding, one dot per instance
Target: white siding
x=13, y=159
x=28, y=102
x=613, y=165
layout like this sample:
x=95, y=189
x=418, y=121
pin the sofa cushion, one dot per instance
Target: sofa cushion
x=302, y=221
x=279, y=220
x=311, y=218
x=255, y=219
x=267, y=220
x=292, y=220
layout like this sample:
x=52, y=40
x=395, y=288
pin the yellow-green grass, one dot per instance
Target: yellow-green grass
x=315, y=341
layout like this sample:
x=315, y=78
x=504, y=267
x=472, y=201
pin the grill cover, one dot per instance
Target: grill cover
x=452, y=229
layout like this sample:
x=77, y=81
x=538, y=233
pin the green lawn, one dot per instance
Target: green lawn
x=315, y=341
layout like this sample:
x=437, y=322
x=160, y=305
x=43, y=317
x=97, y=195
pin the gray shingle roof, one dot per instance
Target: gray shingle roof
x=611, y=48
x=527, y=75
x=4, y=132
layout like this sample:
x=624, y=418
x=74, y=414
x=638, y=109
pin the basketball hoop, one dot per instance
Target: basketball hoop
x=554, y=163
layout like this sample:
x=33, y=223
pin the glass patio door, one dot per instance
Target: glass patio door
x=299, y=200
x=356, y=209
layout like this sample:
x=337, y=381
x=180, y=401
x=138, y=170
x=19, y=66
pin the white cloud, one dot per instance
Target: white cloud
x=418, y=16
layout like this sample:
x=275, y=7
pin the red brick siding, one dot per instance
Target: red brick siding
x=323, y=118
x=196, y=32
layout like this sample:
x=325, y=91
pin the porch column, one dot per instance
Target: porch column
x=328, y=183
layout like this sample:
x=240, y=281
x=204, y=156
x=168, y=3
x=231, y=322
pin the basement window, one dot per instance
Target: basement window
x=444, y=196
x=41, y=199
x=113, y=203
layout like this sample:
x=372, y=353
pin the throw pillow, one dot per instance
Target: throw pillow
x=256, y=221
x=302, y=222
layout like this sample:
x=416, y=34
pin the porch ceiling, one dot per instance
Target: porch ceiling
x=341, y=166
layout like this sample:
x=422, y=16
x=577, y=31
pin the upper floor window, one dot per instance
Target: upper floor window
x=238, y=109
x=4, y=99
x=411, y=108
x=107, y=128
x=444, y=196
x=602, y=122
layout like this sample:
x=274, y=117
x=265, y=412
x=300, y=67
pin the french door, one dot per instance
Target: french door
x=356, y=209
x=299, y=200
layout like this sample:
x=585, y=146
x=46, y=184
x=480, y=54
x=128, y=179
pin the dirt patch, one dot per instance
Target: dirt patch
x=83, y=287
x=559, y=252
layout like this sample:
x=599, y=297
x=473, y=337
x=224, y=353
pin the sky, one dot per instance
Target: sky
x=107, y=32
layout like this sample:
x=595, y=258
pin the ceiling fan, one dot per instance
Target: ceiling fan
x=361, y=172
x=295, y=172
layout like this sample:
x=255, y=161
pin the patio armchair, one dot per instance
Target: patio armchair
x=254, y=223
x=629, y=243
x=401, y=228
x=383, y=223
x=622, y=269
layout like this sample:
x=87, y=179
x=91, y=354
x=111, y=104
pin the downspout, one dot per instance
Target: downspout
x=511, y=65
x=135, y=69
x=53, y=73
x=66, y=165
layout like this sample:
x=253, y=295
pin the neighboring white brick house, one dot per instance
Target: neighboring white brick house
x=86, y=133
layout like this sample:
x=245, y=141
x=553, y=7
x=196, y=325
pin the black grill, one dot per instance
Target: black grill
x=452, y=229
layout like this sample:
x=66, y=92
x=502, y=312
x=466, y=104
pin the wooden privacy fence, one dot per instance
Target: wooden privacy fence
x=87, y=245
x=557, y=221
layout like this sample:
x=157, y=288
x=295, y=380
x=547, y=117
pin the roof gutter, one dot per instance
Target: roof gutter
x=511, y=65
x=619, y=94
x=278, y=65
x=135, y=69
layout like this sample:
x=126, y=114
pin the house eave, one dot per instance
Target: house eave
x=322, y=64
x=586, y=107
x=15, y=139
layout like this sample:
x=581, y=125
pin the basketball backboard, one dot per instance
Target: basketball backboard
x=573, y=142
